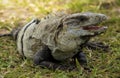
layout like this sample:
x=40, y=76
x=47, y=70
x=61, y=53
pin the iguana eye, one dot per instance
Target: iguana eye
x=83, y=18
x=72, y=22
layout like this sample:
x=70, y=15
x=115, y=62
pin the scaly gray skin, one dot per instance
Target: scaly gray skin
x=59, y=37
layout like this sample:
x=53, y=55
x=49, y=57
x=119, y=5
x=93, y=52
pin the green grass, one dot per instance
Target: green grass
x=18, y=12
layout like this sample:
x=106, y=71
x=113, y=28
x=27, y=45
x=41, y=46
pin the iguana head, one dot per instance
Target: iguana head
x=84, y=24
x=77, y=29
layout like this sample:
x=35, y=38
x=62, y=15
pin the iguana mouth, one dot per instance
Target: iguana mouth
x=94, y=28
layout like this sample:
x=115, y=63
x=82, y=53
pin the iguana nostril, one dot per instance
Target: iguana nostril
x=104, y=18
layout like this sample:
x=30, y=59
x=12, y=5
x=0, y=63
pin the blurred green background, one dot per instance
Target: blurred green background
x=15, y=13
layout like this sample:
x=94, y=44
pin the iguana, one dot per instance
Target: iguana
x=59, y=37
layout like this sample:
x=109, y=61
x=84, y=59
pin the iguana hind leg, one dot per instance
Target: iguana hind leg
x=43, y=58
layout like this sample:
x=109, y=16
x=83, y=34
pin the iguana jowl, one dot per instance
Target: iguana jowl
x=58, y=37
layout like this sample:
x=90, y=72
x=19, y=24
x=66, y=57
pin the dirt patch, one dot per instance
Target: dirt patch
x=3, y=31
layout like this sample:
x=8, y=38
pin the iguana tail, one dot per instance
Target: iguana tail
x=2, y=35
x=13, y=33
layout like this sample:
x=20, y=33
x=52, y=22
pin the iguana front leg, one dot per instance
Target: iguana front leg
x=44, y=59
x=97, y=45
x=82, y=60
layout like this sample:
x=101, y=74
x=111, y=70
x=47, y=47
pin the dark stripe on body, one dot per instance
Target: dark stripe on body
x=37, y=21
